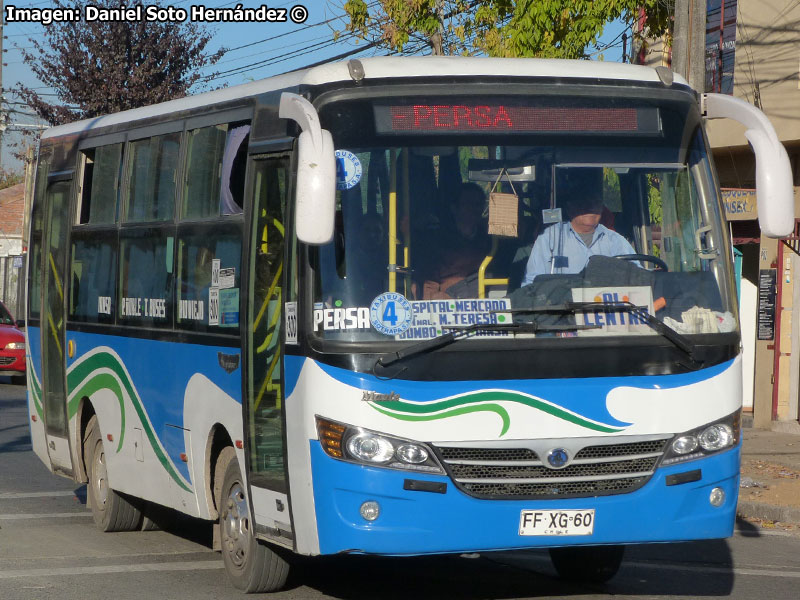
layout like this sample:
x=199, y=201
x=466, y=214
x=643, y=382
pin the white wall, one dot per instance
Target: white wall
x=10, y=246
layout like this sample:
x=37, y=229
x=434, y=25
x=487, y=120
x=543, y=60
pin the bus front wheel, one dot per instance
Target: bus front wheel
x=591, y=564
x=111, y=511
x=251, y=565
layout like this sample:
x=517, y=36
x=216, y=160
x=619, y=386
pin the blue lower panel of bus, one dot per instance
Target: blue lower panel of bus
x=420, y=522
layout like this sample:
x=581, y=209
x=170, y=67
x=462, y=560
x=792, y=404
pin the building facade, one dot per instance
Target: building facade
x=753, y=53
x=12, y=272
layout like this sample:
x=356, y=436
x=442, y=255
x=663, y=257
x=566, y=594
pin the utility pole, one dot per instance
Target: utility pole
x=689, y=41
x=438, y=37
x=3, y=106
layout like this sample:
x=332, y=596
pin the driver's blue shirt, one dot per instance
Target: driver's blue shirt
x=559, y=249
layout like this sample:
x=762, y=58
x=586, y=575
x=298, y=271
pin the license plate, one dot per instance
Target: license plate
x=556, y=522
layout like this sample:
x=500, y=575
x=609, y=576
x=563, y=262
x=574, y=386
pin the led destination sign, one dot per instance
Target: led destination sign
x=471, y=118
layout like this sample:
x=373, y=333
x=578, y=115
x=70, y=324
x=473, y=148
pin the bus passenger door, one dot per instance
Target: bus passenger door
x=264, y=386
x=54, y=397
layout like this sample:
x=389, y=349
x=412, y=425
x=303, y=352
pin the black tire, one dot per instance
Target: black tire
x=589, y=564
x=252, y=566
x=149, y=525
x=19, y=380
x=110, y=509
x=155, y=517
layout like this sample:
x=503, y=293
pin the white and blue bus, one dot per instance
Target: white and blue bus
x=270, y=306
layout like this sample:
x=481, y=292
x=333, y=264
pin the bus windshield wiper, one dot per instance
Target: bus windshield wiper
x=679, y=340
x=462, y=331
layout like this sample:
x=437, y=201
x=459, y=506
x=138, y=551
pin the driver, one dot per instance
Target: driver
x=566, y=247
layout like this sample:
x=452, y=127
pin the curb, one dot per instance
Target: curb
x=785, y=427
x=768, y=512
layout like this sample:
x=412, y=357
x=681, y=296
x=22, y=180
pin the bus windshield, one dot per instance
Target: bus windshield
x=497, y=211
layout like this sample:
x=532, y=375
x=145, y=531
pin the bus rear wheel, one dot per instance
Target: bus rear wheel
x=111, y=511
x=252, y=566
x=589, y=564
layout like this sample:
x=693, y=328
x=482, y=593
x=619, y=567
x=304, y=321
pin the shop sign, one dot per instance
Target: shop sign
x=740, y=204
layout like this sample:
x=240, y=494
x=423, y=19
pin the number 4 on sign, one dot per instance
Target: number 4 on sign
x=390, y=314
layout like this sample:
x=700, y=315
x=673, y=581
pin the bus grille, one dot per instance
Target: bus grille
x=6, y=360
x=519, y=473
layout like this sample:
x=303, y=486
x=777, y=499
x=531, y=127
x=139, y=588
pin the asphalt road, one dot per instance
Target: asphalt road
x=50, y=549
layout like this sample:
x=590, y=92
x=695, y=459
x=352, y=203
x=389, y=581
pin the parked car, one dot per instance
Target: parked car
x=12, y=347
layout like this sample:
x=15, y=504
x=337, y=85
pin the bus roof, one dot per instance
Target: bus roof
x=381, y=67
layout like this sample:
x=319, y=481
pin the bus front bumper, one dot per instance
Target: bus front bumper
x=424, y=522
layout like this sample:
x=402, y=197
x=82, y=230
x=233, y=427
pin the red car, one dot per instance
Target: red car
x=12, y=347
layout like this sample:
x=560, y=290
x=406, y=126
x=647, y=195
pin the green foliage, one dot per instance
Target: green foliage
x=9, y=178
x=507, y=28
x=612, y=196
x=654, y=199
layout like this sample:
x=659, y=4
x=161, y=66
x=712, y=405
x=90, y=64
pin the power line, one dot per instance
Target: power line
x=263, y=52
x=274, y=60
x=337, y=57
x=275, y=37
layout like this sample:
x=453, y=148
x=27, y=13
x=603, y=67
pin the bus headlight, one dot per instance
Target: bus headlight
x=359, y=445
x=705, y=440
x=716, y=437
x=684, y=444
x=369, y=447
x=412, y=454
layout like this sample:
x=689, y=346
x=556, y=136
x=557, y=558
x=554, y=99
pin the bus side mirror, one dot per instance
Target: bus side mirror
x=315, y=190
x=773, y=172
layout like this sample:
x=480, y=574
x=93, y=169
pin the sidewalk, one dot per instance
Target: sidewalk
x=770, y=485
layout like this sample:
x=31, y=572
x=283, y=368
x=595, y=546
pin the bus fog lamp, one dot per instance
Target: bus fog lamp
x=684, y=444
x=717, y=497
x=370, y=510
x=370, y=448
x=716, y=437
x=412, y=454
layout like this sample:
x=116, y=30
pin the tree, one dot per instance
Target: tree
x=543, y=28
x=101, y=67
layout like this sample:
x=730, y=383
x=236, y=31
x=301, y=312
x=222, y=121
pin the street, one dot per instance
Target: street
x=50, y=548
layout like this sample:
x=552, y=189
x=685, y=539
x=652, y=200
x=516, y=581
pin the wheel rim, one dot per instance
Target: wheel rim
x=236, y=526
x=99, y=475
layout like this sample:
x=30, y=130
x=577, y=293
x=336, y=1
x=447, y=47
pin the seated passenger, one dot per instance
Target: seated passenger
x=367, y=258
x=565, y=247
x=462, y=246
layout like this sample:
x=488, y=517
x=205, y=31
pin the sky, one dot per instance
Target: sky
x=255, y=50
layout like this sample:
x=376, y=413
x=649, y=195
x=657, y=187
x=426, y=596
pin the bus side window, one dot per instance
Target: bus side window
x=214, y=175
x=93, y=273
x=152, y=166
x=203, y=304
x=102, y=167
x=145, y=293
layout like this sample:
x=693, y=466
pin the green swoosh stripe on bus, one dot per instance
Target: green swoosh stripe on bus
x=396, y=407
x=80, y=373
x=101, y=381
x=495, y=408
x=36, y=390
